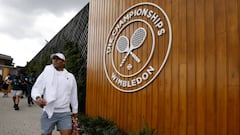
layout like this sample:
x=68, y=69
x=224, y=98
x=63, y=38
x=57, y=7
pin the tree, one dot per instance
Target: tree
x=76, y=65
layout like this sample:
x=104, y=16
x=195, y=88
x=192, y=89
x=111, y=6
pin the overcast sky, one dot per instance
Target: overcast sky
x=26, y=25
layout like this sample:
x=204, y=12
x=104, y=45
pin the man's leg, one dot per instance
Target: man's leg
x=5, y=93
x=64, y=125
x=28, y=96
x=66, y=132
x=47, y=125
x=14, y=98
x=16, y=103
x=5, y=89
x=47, y=134
x=17, y=100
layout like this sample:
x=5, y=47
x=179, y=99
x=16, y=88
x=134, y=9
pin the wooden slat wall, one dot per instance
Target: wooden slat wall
x=198, y=91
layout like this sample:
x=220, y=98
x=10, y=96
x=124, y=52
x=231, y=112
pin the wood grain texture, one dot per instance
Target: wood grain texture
x=196, y=93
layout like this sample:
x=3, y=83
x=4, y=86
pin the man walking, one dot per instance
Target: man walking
x=30, y=80
x=56, y=90
x=16, y=82
x=5, y=85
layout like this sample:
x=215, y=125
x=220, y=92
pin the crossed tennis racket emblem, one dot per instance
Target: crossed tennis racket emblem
x=136, y=41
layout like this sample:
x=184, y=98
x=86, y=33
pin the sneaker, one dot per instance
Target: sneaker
x=17, y=108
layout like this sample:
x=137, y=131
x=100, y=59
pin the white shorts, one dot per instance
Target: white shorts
x=16, y=93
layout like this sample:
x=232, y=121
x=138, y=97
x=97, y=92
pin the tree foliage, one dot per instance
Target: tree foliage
x=76, y=65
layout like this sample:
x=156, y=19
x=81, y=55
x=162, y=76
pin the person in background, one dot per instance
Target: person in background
x=6, y=85
x=30, y=80
x=56, y=90
x=16, y=82
x=1, y=81
x=24, y=85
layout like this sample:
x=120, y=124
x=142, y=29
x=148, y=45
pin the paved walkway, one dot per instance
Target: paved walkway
x=23, y=122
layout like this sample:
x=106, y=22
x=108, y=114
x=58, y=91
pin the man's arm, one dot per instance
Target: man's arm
x=38, y=87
